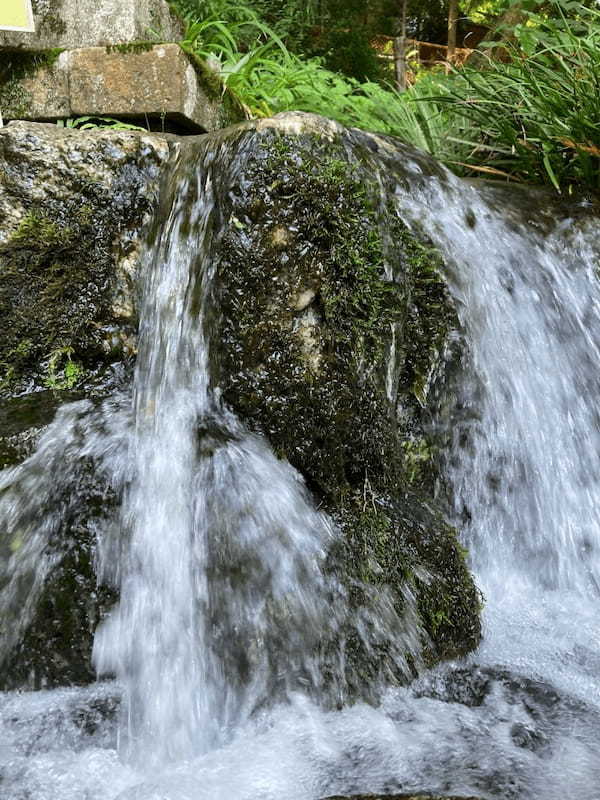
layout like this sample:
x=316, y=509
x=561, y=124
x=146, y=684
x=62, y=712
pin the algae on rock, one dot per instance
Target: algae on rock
x=335, y=322
x=330, y=326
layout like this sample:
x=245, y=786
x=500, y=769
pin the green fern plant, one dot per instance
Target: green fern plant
x=89, y=122
x=62, y=372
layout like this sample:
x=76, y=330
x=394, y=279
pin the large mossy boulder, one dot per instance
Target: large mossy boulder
x=331, y=328
x=335, y=325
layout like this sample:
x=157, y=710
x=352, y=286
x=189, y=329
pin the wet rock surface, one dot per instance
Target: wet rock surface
x=50, y=592
x=334, y=325
x=73, y=206
x=400, y=797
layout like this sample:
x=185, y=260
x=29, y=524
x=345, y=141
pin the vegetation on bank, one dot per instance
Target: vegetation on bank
x=527, y=110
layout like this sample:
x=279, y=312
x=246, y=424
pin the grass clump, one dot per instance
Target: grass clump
x=535, y=114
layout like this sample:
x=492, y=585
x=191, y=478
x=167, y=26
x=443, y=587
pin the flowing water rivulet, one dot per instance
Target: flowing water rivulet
x=221, y=689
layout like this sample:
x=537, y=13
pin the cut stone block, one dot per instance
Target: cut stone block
x=86, y=23
x=149, y=82
x=161, y=81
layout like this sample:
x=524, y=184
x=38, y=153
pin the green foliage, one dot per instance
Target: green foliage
x=252, y=60
x=350, y=52
x=92, y=122
x=535, y=115
x=63, y=372
x=532, y=116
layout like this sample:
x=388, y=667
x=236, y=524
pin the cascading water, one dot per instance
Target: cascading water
x=224, y=600
x=524, y=462
x=224, y=595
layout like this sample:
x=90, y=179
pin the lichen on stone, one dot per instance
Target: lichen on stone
x=60, y=288
x=17, y=66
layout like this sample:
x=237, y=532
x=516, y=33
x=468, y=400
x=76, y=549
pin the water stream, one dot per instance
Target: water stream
x=219, y=690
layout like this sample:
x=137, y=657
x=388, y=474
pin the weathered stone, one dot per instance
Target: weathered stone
x=86, y=23
x=161, y=81
x=144, y=82
x=41, y=93
x=72, y=204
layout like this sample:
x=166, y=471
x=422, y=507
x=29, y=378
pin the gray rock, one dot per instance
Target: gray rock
x=86, y=23
x=73, y=206
x=161, y=82
x=142, y=82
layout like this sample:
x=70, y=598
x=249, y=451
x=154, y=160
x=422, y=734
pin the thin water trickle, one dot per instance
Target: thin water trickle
x=219, y=551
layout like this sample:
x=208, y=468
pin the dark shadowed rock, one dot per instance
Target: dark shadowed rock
x=331, y=325
x=335, y=324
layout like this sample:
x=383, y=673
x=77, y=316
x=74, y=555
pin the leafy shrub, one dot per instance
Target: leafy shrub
x=533, y=116
x=350, y=53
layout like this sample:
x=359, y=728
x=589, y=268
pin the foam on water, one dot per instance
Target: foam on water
x=523, y=463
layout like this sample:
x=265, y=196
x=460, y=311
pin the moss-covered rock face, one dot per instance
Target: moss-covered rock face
x=332, y=324
x=335, y=325
x=335, y=315
x=72, y=208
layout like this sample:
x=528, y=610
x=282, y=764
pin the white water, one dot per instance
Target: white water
x=524, y=471
x=524, y=463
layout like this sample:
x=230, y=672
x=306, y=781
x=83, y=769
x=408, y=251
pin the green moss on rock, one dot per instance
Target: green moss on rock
x=335, y=322
x=47, y=293
x=58, y=262
x=131, y=47
x=310, y=347
x=16, y=67
x=231, y=107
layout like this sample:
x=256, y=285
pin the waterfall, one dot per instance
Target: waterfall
x=225, y=602
x=228, y=643
x=523, y=460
